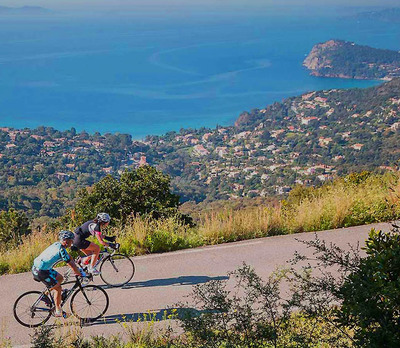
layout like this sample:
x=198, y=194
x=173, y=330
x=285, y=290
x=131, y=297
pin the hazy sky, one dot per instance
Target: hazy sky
x=147, y=4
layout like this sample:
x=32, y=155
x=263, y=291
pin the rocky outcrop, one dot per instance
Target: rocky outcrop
x=317, y=58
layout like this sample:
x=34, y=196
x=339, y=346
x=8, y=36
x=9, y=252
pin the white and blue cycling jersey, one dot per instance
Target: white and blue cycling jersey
x=54, y=253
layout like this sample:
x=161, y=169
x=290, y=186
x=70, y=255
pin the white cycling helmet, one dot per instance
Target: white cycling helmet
x=103, y=217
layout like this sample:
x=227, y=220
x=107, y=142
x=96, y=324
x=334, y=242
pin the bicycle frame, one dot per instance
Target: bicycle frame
x=48, y=294
x=103, y=254
x=77, y=285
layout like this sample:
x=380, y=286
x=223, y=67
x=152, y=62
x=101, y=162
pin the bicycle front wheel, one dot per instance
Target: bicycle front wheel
x=117, y=270
x=32, y=309
x=90, y=303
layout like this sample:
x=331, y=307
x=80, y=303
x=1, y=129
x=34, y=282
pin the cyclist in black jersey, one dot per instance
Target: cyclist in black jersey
x=92, y=228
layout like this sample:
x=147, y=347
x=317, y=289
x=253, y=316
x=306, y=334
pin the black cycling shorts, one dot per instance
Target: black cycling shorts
x=80, y=242
x=48, y=277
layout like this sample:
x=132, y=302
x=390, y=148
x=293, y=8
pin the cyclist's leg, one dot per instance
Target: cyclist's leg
x=83, y=244
x=94, y=250
x=58, y=279
x=52, y=280
x=85, y=260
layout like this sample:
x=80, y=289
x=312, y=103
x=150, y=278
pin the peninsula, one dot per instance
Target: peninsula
x=344, y=59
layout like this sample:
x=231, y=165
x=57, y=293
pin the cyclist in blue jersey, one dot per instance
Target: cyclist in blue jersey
x=43, y=271
x=92, y=228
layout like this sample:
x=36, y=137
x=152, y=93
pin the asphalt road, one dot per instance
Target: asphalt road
x=162, y=280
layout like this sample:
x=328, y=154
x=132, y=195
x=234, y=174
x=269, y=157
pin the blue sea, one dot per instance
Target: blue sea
x=152, y=74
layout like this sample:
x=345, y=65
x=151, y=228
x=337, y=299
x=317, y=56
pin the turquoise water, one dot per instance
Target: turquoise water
x=150, y=75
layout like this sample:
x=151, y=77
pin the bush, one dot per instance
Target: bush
x=366, y=295
x=371, y=294
x=4, y=267
x=43, y=337
x=144, y=234
x=253, y=313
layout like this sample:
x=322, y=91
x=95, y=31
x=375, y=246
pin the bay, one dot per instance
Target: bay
x=151, y=74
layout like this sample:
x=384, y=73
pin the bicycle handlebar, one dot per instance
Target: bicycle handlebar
x=114, y=246
x=83, y=279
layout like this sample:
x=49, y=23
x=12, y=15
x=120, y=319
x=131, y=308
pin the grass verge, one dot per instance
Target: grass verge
x=353, y=200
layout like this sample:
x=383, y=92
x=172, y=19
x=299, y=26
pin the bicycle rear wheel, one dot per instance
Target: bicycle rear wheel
x=117, y=270
x=90, y=303
x=32, y=309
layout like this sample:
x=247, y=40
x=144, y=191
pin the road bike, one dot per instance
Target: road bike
x=116, y=269
x=88, y=303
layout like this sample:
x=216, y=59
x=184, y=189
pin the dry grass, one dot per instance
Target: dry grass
x=335, y=205
x=231, y=225
x=20, y=259
x=5, y=341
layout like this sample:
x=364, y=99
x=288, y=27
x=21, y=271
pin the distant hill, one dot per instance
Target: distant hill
x=344, y=59
x=23, y=10
x=386, y=15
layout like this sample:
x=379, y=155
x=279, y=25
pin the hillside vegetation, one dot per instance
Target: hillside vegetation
x=307, y=139
x=353, y=200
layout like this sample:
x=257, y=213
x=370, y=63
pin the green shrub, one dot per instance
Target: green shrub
x=163, y=240
x=13, y=225
x=43, y=337
x=370, y=295
x=4, y=267
x=253, y=313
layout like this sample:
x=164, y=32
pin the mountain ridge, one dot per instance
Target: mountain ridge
x=23, y=10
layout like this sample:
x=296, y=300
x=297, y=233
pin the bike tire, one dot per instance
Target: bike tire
x=94, y=292
x=27, y=298
x=109, y=270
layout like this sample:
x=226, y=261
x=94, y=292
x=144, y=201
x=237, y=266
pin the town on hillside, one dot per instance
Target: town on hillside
x=305, y=140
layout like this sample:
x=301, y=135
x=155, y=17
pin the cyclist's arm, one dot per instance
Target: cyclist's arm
x=99, y=237
x=74, y=267
x=69, y=260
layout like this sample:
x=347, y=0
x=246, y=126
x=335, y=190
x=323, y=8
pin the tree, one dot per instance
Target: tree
x=13, y=225
x=142, y=191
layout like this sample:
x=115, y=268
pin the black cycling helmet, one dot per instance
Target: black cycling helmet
x=103, y=217
x=63, y=235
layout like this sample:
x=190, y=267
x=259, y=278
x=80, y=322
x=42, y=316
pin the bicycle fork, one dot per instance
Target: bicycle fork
x=84, y=294
x=113, y=264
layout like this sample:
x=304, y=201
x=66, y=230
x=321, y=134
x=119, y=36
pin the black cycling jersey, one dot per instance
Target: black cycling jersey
x=88, y=229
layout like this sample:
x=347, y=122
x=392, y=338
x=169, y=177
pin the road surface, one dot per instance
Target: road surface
x=162, y=280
